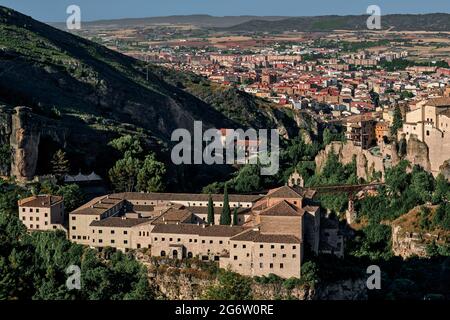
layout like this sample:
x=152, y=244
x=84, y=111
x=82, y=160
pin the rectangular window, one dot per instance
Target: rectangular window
x=100, y=231
x=100, y=240
x=235, y=257
x=112, y=232
x=281, y=266
x=125, y=241
x=271, y=266
x=125, y=232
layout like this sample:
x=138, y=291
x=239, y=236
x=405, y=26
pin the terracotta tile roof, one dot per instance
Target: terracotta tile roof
x=257, y=236
x=143, y=208
x=41, y=201
x=118, y=222
x=221, y=231
x=182, y=228
x=200, y=230
x=97, y=205
x=217, y=210
x=439, y=102
x=282, y=208
x=283, y=192
x=291, y=192
x=173, y=215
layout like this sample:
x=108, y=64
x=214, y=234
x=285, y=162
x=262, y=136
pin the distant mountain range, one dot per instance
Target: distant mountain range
x=199, y=20
x=404, y=22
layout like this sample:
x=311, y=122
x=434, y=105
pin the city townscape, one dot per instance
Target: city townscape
x=118, y=177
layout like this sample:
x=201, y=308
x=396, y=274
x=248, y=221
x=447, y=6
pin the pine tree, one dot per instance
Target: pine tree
x=397, y=122
x=235, y=216
x=60, y=165
x=225, y=218
x=210, y=211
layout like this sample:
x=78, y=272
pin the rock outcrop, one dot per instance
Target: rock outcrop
x=366, y=163
x=184, y=282
x=22, y=130
x=417, y=153
x=445, y=169
x=409, y=239
x=407, y=244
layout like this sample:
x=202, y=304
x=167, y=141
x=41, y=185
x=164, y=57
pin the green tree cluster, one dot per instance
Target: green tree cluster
x=134, y=172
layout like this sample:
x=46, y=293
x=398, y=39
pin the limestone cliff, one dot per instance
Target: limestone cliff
x=417, y=152
x=366, y=162
x=22, y=130
x=189, y=282
x=409, y=239
x=445, y=169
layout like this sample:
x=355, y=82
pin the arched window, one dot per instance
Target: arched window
x=163, y=253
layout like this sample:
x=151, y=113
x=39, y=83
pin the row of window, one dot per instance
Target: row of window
x=100, y=231
x=24, y=218
x=261, y=246
x=38, y=226
x=112, y=241
x=31, y=210
x=205, y=204
x=80, y=237
x=274, y=255
x=190, y=240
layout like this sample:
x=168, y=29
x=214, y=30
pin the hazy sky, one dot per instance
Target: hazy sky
x=55, y=10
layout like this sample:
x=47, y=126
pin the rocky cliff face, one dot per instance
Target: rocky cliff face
x=22, y=130
x=366, y=163
x=417, y=153
x=445, y=169
x=409, y=239
x=182, y=282
x=407, y=244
